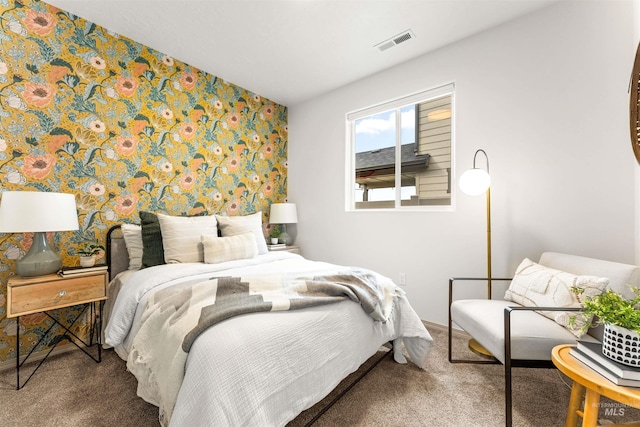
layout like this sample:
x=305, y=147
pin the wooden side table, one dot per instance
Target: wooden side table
x=28, y=295
x=590, y=385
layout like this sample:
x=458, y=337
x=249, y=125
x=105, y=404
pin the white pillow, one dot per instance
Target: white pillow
x=132, y=235
x=221, y=249
x=232, y=225
x=181, y=236
x=535, y=285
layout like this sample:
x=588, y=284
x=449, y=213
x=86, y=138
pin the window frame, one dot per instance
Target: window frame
x=395, y=104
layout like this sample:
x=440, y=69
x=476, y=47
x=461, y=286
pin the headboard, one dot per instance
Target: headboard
x=117, y=255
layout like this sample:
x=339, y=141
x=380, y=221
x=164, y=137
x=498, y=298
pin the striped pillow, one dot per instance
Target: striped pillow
x=232, y=225
x=132, y=235
x=181, y=236
x=221, y=249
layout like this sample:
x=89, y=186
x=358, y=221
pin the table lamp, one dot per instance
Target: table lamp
x=38, y=212
x=283, y=213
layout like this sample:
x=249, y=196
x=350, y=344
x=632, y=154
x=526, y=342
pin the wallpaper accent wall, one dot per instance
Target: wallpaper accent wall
x=124, y=128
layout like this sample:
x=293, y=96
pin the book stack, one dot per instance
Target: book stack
x=79, y=271
x=277, y=246
x=590, y=353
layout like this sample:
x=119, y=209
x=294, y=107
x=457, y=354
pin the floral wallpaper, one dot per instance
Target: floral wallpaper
x=125, y=128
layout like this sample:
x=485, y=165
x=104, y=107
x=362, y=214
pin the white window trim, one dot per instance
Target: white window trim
x=350, y=157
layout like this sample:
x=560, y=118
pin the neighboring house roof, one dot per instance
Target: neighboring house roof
x=381, y=159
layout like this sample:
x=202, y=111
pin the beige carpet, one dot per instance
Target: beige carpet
x=72, y=390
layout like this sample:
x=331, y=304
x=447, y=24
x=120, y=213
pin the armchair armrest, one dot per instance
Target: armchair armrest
x=452, y=280
x=507, y=322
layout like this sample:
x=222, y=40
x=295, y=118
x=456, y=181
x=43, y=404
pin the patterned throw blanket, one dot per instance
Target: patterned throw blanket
x=175, y=316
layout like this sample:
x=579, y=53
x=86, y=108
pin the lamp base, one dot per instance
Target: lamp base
x=40, y=260
x=284, y=238
x=479, y=349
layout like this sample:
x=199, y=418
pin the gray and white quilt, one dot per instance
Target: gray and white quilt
x=181, y=313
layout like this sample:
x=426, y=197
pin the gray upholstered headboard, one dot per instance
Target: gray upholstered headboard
x=117, y=255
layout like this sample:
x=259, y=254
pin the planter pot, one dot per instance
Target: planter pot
x=621, y=345
x=274, y=240
x=88, y=261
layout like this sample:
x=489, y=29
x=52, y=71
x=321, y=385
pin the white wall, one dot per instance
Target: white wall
x=546, y=97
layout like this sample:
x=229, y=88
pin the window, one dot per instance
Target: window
x=400, y=152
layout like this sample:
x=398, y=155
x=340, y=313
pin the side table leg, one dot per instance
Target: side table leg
x=591, y=406
x=18, y=353
x=99, y=309
x=577, y=393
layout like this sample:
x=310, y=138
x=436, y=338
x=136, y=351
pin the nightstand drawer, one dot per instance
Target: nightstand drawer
x=27, y=296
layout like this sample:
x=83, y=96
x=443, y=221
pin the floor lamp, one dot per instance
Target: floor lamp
x=474, y=182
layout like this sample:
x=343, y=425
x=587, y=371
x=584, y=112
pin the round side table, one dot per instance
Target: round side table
x=591, y=385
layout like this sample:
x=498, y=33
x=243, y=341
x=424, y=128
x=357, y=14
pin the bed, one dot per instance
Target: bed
x=262, y=367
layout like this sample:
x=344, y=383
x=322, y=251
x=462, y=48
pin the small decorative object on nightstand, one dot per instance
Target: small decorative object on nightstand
x=88, y=254
x=275, y=235
x=28, y=295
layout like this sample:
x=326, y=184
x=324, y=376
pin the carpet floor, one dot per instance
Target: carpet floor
x=71, y=390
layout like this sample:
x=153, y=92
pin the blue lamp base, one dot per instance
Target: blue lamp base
x=40, y=260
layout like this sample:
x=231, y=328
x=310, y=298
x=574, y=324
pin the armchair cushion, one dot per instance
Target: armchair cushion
x=532, y=335
x=535, y=285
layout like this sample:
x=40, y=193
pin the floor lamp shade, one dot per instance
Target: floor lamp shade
x=38, y=212
x=474, y=182
x=283, y=213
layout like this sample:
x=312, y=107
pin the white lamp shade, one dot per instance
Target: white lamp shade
x=475, y=182
x=35, y=211
x=283, y=213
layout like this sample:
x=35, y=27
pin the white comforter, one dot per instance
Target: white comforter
x=263, y=369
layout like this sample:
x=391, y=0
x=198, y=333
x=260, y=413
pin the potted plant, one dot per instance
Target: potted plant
x=275, y=234
x=621, y=319
x=88, y=254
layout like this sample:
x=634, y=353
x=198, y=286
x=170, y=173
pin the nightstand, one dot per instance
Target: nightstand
x=292, y=249
x=28, y=295
x=588, y=386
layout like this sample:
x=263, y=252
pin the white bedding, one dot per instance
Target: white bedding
x=263, y=368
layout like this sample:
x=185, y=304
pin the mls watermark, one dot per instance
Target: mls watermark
x=612, y=409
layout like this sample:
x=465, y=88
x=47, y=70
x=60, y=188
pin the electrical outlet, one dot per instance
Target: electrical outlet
x=402, y=280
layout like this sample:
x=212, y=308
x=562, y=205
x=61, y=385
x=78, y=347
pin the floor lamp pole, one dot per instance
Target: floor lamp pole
x=488, y=243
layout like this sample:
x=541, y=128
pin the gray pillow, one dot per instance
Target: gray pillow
x=152, y=249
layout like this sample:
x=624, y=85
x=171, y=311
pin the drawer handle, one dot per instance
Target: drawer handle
x=62, y=293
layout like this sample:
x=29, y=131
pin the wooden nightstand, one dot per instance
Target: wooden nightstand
x=292, y=249
x=28, y=295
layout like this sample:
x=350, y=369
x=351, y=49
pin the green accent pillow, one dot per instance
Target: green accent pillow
x=152, y=249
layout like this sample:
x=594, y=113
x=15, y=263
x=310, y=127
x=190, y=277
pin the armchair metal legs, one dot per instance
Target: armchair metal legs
x=509, y=362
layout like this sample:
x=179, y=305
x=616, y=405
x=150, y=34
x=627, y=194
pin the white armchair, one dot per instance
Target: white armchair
x=519, y=336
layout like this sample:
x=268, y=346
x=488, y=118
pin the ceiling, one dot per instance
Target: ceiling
x=290, y=51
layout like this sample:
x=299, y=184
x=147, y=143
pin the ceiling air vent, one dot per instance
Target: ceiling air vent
x=395, y=40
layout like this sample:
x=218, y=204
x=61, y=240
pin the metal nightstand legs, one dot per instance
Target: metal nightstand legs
x=94, y=333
